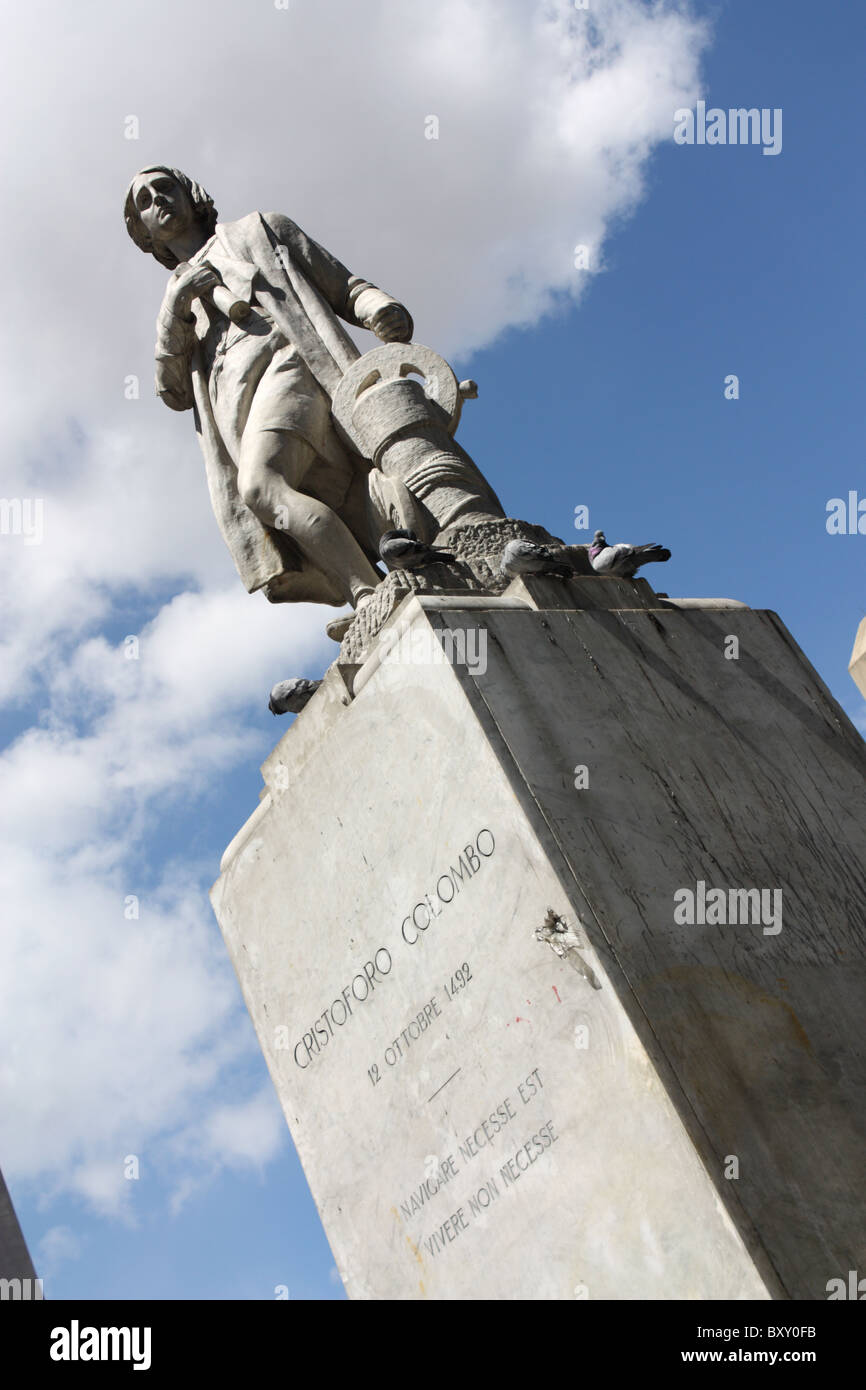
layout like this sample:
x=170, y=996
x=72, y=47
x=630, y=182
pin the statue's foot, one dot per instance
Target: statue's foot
x=338, y=627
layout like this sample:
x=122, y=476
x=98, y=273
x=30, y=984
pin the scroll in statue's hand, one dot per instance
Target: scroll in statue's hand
x=392, y=323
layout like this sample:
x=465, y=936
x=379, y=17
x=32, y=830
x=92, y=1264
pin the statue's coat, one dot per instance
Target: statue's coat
x=304, y=289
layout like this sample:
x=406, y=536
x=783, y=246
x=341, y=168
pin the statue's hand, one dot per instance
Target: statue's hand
x=189, y=284
x=392, y=323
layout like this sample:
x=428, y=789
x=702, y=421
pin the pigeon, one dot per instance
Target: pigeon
x=290, y=697
x=402, y=550
x=622, y=560
x=527, y=557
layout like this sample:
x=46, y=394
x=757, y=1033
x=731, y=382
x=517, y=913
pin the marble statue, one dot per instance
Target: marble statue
x=313, y=452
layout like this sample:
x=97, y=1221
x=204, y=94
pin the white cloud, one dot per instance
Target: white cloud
x=247, y=1134
x=242, y=1136
x=113, y=1030
x=547, y=115
x=115, y=1035
x=58, y=1246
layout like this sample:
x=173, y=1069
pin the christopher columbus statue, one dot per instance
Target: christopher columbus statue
x=288, y=495
x=249, y=337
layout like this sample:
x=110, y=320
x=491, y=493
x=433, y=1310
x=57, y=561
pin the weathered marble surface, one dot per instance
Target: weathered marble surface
x=656, y=1051
x=478, y=548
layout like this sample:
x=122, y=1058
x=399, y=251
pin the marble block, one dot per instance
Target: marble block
x=551, y=927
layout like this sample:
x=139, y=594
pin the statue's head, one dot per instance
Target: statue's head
x=160, y=205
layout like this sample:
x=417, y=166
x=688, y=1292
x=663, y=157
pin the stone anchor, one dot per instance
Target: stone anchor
x=399, y=406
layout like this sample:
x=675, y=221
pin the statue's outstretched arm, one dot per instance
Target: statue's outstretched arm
x=355, y=300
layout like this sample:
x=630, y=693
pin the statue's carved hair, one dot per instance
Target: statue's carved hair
x=202, y=206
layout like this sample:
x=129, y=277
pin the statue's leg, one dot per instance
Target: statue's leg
x=273, y=465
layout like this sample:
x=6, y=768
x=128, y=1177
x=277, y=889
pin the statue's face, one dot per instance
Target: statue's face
x=164, y=206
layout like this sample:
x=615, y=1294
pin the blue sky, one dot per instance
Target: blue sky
x=727, y=261
x=738, y=263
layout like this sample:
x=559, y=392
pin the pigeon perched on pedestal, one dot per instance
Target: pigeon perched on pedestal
x=528, y=557
x=622, y=560
x=402, y=550
x=290, y=697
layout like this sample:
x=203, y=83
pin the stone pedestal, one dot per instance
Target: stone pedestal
x=551, y=924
